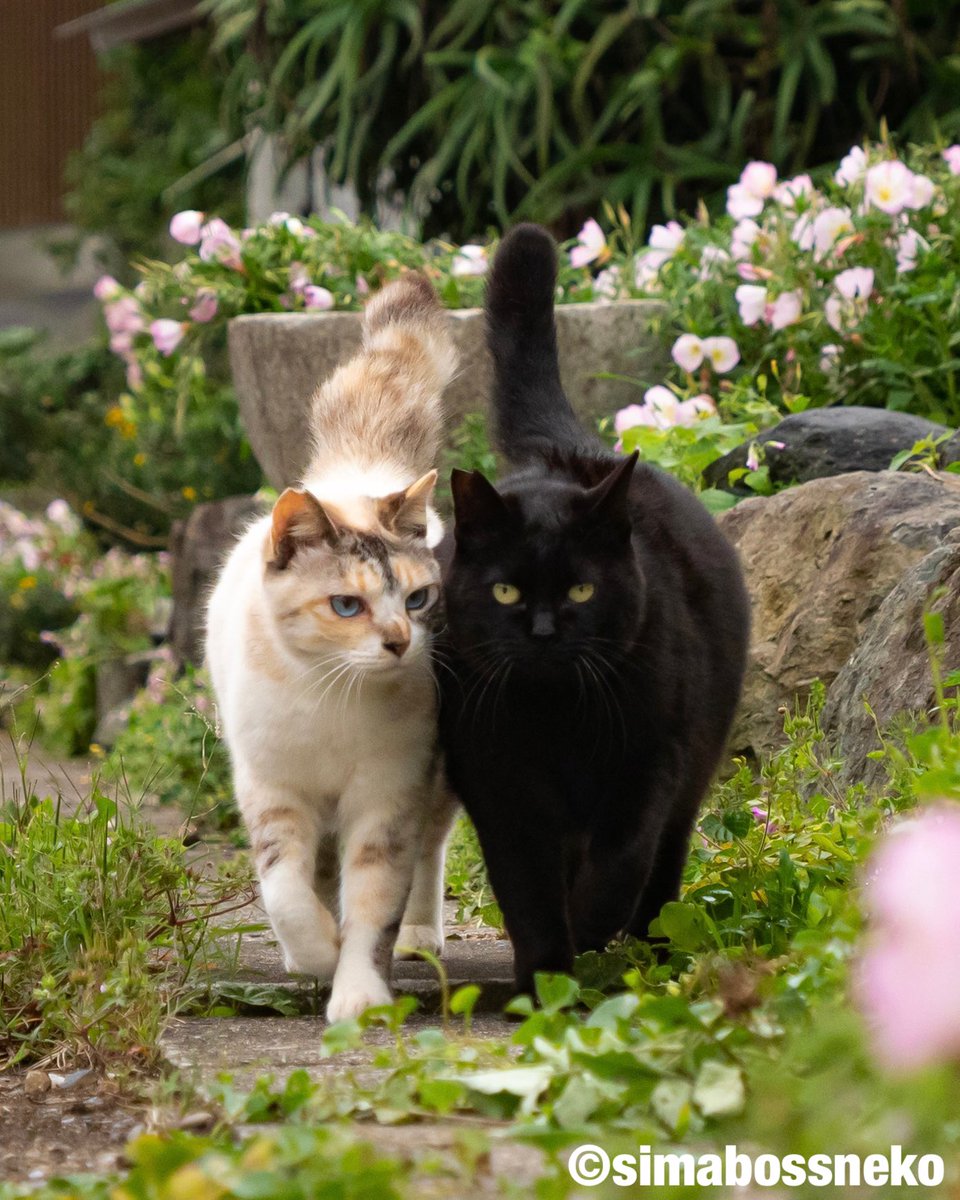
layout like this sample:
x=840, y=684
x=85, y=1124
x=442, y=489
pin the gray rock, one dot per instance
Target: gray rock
x=277, y=360
x=118, y=680
x=819, y=560
x=198, y=547
x=890, y=669
x=828, y=441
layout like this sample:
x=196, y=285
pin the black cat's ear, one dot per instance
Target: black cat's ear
x=478, y=506
x=608, y=503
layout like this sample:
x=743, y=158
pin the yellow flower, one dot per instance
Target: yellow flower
x=27, y=582
x=139, y=458
x=114, y=416
x=189, y=493
x=96, y=750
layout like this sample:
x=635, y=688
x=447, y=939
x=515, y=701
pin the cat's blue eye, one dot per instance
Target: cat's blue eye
x=418, y=599
x=346, y=606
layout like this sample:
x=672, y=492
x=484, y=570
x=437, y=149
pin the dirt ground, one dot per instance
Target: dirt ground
x=71, y=1131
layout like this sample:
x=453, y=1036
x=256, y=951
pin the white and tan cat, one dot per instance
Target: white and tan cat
x=318, y=636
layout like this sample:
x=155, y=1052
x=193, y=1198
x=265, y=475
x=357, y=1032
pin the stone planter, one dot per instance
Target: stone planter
x=278, y=359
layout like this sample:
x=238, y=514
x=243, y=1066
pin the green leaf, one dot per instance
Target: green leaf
x=718, y=1090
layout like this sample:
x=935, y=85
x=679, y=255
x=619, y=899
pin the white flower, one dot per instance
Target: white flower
x=634, y=415
x=828, y=356
x=921, y=192
x=186, y=226
x=711, y=262
x=852, y=167
x=60, y=514
x=591, y=245
x=471, y=260
x=663, y=404
x=607, y=283
x=648, y=267
x=786, y=309
x=889, y=186
x=745, y=233
x=828, y=226
x=743, y=203
x=690, y=411
x=667, y=237
x=752, y=301
x=688, y=351
x=722, y=353
x=791, y=190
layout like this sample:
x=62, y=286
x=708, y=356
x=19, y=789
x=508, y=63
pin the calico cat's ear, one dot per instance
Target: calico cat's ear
x=478, y=505
x=405, y=513
x=608, y=502
x=299, y=520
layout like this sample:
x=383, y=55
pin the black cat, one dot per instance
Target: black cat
x=596, y=633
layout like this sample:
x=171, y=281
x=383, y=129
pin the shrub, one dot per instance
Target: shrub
x=490, y=110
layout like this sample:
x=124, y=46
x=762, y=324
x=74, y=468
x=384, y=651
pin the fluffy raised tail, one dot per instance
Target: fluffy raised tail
x=533, y=417
x=383, y=408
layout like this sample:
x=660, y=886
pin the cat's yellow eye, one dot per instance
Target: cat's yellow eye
x=580, y=593
x=505, y=593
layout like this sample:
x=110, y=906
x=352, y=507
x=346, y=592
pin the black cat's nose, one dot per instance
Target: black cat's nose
x=543, y=625
x=396, y=646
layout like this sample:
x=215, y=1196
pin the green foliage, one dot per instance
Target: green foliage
x=485, y=110
x=160, y=145
x=100, y=926
x=171, y=749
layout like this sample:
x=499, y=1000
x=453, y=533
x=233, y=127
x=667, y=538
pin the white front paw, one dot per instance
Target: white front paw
x=318, y=960
x=413, y=938
x=352, y=996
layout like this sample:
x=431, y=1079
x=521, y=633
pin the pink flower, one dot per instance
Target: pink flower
x=204, y=306
x=853, y=167
x=753, y=464
x=123, y=315
x=909, y=244
x=107, y=288
x=689, y=412
x=663, y=404
x=134, y=376
x=668, y=238
x=889, y=186
x=802, y=232
x=849, y=307
x=921, y=192
x=745, y=233
x=752, y=301
x=951, y=156
x=828, y=226
x=632, y=416
x=648, y=267
x=722, y=353
x=220, y=244
x=785, y=310
x=317, y=297
x=828, y=356
x=792, y=190
x=759, y=178
x=908, y=977
x=166, y=335
x=592, y=245
x=186, y=227
x=688, y=351
x=471, y=260
x=743, y=203
x=363, y=288
x=121, y=344
x=61, y=515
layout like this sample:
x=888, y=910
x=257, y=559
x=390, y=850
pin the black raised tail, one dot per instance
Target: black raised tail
x=533, y=417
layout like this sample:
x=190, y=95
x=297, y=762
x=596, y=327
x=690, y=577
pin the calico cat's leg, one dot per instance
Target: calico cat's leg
x=285, y=834
x=422, y=926
x=378, y=851
x=526, y=864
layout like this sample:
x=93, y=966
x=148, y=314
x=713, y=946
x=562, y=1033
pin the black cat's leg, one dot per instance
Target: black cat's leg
x=663, y=883
x=606, y=892
x=525, y=862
